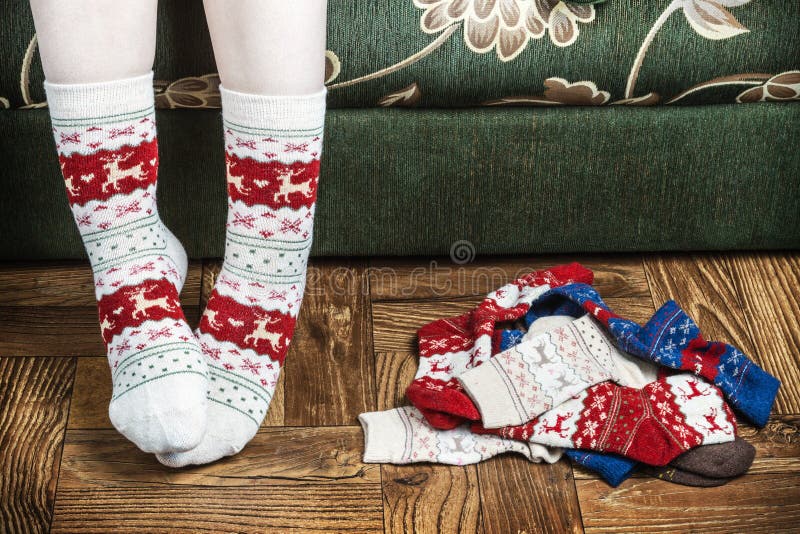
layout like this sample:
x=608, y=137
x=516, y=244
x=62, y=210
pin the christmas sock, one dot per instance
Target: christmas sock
x=106, y=139
x=403, y=436
x=672, y=339
x=652, y=425
x=543, y=371
x=613, y=468
x=448, y=347
x=273, y=158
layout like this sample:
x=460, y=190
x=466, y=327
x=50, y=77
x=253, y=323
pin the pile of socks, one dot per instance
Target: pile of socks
x=544, y=368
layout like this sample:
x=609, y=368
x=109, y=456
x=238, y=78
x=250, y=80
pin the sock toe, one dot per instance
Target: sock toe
x=164, y=416
x=228, y=433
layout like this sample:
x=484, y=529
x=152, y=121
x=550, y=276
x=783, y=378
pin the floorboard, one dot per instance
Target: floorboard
x=34, y=401
x=768, y=286
x=330, y=376
x=64, y=467
x=752, y=503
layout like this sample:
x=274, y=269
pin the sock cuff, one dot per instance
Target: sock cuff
x=291, y=112
x=386, y=438
x=113, y=99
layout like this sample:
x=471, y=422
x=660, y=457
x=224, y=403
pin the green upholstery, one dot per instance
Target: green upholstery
x=507, y=180
x=517, y=168
x=365, y=37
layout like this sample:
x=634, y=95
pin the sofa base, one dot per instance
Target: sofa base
x=511, y=180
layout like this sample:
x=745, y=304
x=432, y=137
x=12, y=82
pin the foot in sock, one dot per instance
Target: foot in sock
x=403, y=436
x=448, y=347
x=106, y=139
x=273, y=146
x=652, y=425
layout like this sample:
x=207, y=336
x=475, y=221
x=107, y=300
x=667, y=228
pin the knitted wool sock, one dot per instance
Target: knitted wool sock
x=448, y=347
x=543, y=371
x=273, y=150
x=613, y=468
x=652, y=425
x=403, y=436
x=672, y=339
x=106, y=139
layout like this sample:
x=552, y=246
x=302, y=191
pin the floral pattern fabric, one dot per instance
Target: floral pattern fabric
x=458, y=53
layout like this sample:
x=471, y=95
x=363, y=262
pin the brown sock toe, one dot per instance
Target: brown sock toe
x=685, y=478
x=723, y=460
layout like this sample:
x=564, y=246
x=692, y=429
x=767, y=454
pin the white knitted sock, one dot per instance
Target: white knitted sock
x=106, y=139
x=403, y=436
x=546, y=369
x=273, y=148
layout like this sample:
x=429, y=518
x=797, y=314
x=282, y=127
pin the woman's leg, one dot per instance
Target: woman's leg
x=87, y=41
x=97, y=57
x=269, y=47
x=270, y=55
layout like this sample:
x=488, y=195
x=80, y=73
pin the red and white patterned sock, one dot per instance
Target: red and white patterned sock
x=106, y=139
x=273, y=148
x=546, y=369
x=652, y=425
x=449, y=347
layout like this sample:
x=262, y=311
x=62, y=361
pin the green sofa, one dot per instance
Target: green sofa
x=520, y=126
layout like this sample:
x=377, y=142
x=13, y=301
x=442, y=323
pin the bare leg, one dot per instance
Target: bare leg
x=87, y=41
x=269, y=47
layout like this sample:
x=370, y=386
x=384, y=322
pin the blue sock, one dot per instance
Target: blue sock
x=672, y=339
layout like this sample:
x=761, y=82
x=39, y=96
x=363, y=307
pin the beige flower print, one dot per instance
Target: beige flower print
x=506, y=25
x=559, y=92
x=711, y=19
x=781, y=88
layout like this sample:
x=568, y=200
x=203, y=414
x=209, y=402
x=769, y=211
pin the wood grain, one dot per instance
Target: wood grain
x=330, y=374
x=753, y=503
x=103, y=459
x=211, y=269
x=68, y=284
x=519, y=496
x=34, y=401
x=394, y=372
x=286, y=479
x=769, y=287
x=412, y=279
x=56, y=330
x=430, y=498
x=395, y=323
x=92, y=393
x=278, y=508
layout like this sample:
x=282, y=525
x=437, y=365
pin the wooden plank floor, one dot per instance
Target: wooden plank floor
x=63, y=467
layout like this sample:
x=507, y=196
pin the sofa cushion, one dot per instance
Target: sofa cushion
x=448, y=53
x=511, y=180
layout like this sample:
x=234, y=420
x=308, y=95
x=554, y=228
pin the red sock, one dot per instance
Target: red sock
x=652, y=425
x=448, y=347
